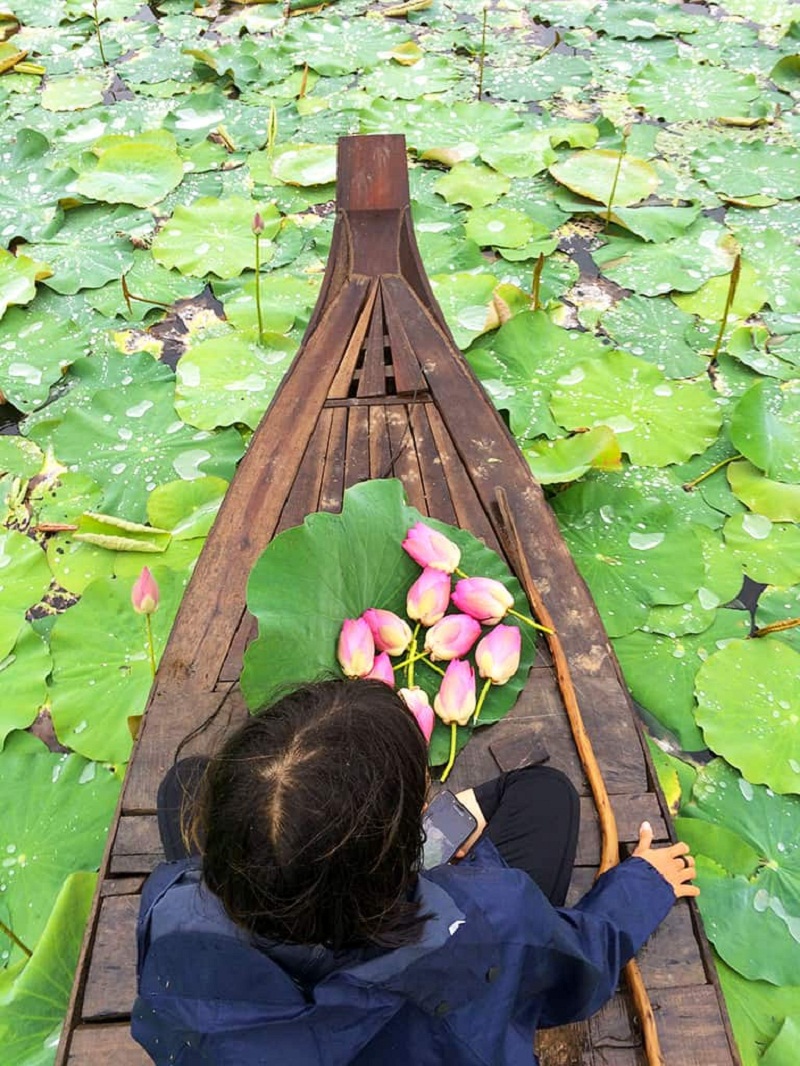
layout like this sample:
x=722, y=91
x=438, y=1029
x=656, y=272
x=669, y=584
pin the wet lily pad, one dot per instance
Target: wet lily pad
x=778, y=501
x=305, y=164
x=655, y=330
x=471, y=184
x=766, y=428
x=594, y=173
x=431, y=74
x=502, y=227
x=757, y=1011
x=710, y=299
x=742, y=168
x=466, y=300
x=527, y=152
x=18, y=277
x=336, y=45
x=569, y=458
x=30, y=191
x=780, y=605
x=74, y=92
x=138, y=170
x=215, y=236
x=24, y=668
x=768, y=551
x=680, y=89
x=24, y=573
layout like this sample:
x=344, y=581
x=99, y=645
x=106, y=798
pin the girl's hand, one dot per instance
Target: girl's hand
x=673, y=861
x=467, y=797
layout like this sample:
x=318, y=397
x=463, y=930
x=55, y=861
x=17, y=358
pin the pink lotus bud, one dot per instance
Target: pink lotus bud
x=382, y=670
x=452, y=636
x=258, y=224
x=497, y=655
x=356, y=650
x=429, y=548
x=416, y=699
x=455, y=700
x=389, y=631
x=144, y=594
x=429, y=597
x=483, y=598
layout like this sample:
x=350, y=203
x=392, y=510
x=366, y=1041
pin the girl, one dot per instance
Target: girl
x=304, y=931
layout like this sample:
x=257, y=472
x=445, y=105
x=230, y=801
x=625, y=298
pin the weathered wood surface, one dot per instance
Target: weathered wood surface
x=379, y=390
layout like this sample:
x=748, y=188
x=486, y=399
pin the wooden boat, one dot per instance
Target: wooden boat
x=379, y=389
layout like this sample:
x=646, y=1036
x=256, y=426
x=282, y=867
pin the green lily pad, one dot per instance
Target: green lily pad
x=526, y=152
x=147, y=280
x=75, y=564
x=540, y=80
x=333, y=567
x=74, y=92
x=655, y=330
x=680, y=89
x=305, y=164
x=632, y=553
x=466, y=301
x=766, y=428
x=432, y=74
x=741, y=168
x=776, y=260
x=30, y=192
x=101, y=667
x=569, y=458
x=186, y=508
x=231, y=379
x=18, y=277
x=656, y=422
x=741, y=912
x=83, y=264
x=335, y=45
x=56, y=813
x=23, y=677
x=710, y=299
x=24, y=573
x=286, y=302
x=216, y=236
x=768, y=551
x=502, y=227
x=641, y=20
x=32, y=1010
x=746, y=695
x=780, y=605
x=595, y=172
x=139, y=445
x=757, y=1011
x=20, y=457
x=660, y=671
x=138, y=170
x=472, y=184
x=66, y=499
x=779, y=502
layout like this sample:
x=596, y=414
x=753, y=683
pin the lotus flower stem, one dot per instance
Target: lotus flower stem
x=148, y=625
x=97, y=31
x=419, y=657
x=537, y=281
x=482, y=58
x=460, y=573
x=452, y=757
x=412, y=658
x=486, y=686
x=433, y=666
x=732, y=286
x=528, y=621
x=13, y=936
x=689, y=485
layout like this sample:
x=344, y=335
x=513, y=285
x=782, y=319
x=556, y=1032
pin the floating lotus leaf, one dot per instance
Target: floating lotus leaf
x=74, y=92
x=75, y=564
x=757, y=1011
x=305, y=164
x=710, y=299
x=526, y=152
x=34, y=1006
x=432, y=74
x=30, y=192
x=18, y=277
x=656, y=422
x=286, y=302
x=660, y=671
x=23, y=677
x=138, y=170
x=680, y=89
x=656, y=222
x=216, y=236
x=466, y=300
x=101, y=667
x=186, y=508
x=147, y=280
x=641, y=20
x=766, y=428
x=655, y=330
x=742, y=912
x=139, y=445
x=778, y=501
x=83, y=265
x=24, y=573
x=56, y=813
x=333, y=567
x=777, y=263
x=632, y=553
x=741, y=168
x=747, y=709
x=231, y=379
x=502, y=227
x=66, y=499
x=786, y=73
x=769, y=12
x=595, y=172
x=19, y=457
x=539, y=80
x=474, y=185
x=569, y=458
x=780, y=605
x=768, y=551
x=334, y=45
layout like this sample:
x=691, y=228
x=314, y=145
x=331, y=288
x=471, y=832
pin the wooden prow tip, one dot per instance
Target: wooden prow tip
x=372, y=173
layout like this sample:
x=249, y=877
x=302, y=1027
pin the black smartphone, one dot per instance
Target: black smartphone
x=447, y=824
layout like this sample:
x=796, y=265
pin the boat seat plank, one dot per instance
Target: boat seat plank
x=375, y=377
x=380, y=452
x=692, y=1027
x=332, y=485
x=405, y=464
x=305, y=492
x=347, y=363
x=111, y=981
x=438, y=499
x=356, y=462
x=109, y=1043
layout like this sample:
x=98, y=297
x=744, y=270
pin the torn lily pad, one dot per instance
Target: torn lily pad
x=216, y=236
x=766, y=428
x=768, y=551
x=569, y=458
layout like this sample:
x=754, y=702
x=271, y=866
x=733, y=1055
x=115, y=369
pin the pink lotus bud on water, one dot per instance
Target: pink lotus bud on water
x=356, y=650
x=144, y=594
x=455, y=700
x=416, y=699
x=429, y=597
x=382, y=670
x=452, y=636
x=258, y=224
x=497, y=655
x=483, y=598
x=389, y=631
x=429, y=548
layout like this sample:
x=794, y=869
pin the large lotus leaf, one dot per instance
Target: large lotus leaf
x=768, y=551
x=101, y=666
x=743, y=912
x=545, y=77
x=757, y=1011
x=526, y=152
x=655, y=330
x=502, y=227
x=216, y=236
x=709, y=301
x=594, y=173
x=472, y=184
x=32, y=1011
x=783, y=1049
x=134, y=170
x=770, y=12
x=774, y=499
x=30, y=192
x=776, y=259
x=521, y=360
x=186, y=508
x=747, y=708
x=704, y=251
x=19, y=457
x=305, y=164
x=641, y=20
x=231, y=379
x=766, y=428
x=56, y=812
x=75, y=564
x=333, y=45
x=74, y=92
x=722, y=845
x=286, y=302
x=23, y=676
x=632, y=553
x=147, y=280
x=741, y=168
x=680, y=89
x=333, y=567
x=781, y=605
x=24, y=573
x=660, y=671
x=432, y=74
x=656, y=422
x=18, y=277
x=81, y=263
x=569, y=458
x=466, y=301
x=130, y=440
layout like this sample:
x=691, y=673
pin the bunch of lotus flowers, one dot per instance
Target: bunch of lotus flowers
x=368, y=644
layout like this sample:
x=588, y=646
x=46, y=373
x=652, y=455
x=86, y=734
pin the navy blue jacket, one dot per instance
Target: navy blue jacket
x=496, y=960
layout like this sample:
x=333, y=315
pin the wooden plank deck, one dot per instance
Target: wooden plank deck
x=397, y=401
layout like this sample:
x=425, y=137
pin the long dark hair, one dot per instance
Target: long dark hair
x=311, y=817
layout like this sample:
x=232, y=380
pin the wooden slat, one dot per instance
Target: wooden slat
x=372, y=379
x=304, y=494
x=332, y=486
x=380, y=453
x=346, y=360
x=137, y=847
x=121, y=886
x=439, y=503
x=111, y=981
x=356, y=460
x=408, y=374
x=245, y=632
x=630, y=811
x=405, y=464
x=692, y=1027
x=106, y=1045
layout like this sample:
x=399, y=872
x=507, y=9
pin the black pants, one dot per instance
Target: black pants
x=532, y=818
